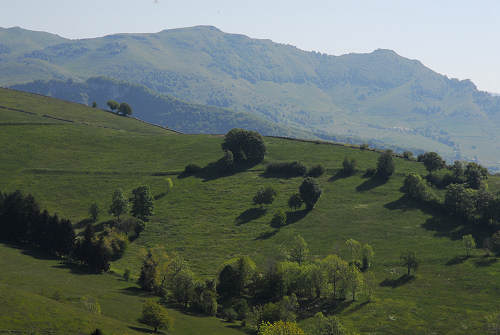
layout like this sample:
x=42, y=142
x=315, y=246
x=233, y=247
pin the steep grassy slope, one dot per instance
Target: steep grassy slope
x=380, y=95
x=208, y=219
x=159, y=109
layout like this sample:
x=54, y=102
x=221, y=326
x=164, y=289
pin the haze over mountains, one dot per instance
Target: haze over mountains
x=276, y=89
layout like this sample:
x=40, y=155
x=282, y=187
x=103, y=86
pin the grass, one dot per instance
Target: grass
x=209, y=220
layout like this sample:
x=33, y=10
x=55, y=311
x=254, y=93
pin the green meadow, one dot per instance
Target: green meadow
x=68, y=156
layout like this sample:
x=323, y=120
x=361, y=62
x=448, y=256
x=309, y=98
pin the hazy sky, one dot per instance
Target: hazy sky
x=458, y=38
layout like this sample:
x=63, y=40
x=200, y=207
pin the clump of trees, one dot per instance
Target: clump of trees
x=121, y=108
x=246, y=146
x=279, y=219
x=23, y=223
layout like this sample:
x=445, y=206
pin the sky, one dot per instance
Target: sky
x=457, y=38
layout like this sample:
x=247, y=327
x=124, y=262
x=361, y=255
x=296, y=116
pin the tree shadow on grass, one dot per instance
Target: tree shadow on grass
x=144, y=330
x=296, y=216
x=266, y=235
x=394, y=283
x=38, y=254
x=485, y=261
x=457, y=260
x=340, y=175
x=135, y=291
x=356, y=308
x=75, y=269
x=83, y=223
x=370, y=184
x=242, y=329
x=404, y=203
x=250, y=215
x=161, y=195
x=213, y=171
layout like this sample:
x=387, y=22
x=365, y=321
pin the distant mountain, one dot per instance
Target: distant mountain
x=379, y=95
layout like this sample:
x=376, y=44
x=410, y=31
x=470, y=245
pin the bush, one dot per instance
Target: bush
x=364, y=146
x=316, y=171
x=126, y=275
x=295, y=201
x=286, y=169
x=229, y=314
x=495, y=242
x=416, y=187
x=264, y=196
x=348, y=166
x=132, y=227
x=192, y=169
x=279, y=219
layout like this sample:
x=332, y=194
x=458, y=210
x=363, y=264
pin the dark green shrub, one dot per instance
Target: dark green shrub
x=279, y=219
x=385, y=165
x=348, y=166
x=295, y=201
x=246, y=146
x=286, y=169
x=316, y=171
x=264, y=196
x=310, y=192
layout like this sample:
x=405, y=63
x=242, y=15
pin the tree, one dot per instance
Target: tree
x=246, y=146
x=457, y=171
x=469, y=243
x=182, y=285
x=310, y=192
x=279, y=219
x=329, y=325
x=460, y=201
x=367, y=254
x=348, y=166
x=94, y=104
x=474, y=175
x=409, y=260
x=119, y=204
x=125, y=109
x=354, y=248
x=408, y=155
x=142, y=203
x=335, y=270
x=298, y=250
x=280, y=328
x=432, y=161
x=385, y=165
x=156, y=316
x=295, y=201
x=354, y=280
x=149, y=279
x=264, y=196
x=416, y=188
x=113, y=105
x=94, y=212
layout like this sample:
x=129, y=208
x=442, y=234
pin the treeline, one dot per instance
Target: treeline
x=278, y=293
x=23, y=223
x=466, y=194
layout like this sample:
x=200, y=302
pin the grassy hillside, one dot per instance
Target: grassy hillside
x=68, y=165
x=379, y=95
x=159, y=109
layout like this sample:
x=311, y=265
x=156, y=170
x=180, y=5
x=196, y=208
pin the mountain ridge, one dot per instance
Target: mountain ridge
x=378, y=95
